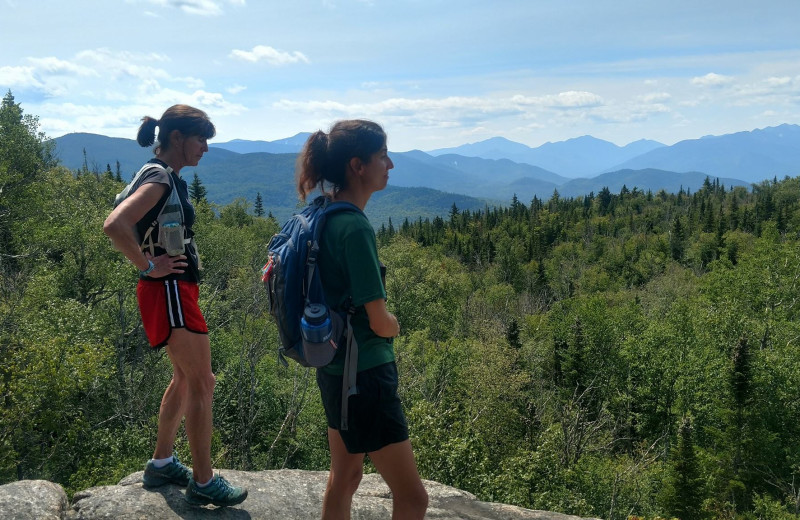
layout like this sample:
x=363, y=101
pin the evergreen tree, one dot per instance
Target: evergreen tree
x=512, y=334
x=85, y=167
x=196, y=190
x=453, y=213
x=740, y=383
x=684, y=493
x=573, y=366
x=259, y=205
x=677, y=240
x=605, y=200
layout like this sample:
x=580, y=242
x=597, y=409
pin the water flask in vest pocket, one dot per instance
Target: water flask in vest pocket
x=170, y=236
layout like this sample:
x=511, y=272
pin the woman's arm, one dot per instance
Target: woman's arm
x=120, y=227
x=381, y=321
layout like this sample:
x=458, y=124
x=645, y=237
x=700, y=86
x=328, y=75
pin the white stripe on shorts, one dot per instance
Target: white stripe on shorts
x=174, y=310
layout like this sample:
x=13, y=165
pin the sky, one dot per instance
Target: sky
x=434, y=73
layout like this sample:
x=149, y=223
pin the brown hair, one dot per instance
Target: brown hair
x=324, y=157
x=187, y=120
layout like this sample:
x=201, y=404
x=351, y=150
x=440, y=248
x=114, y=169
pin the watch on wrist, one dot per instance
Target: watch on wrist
x=149, y=268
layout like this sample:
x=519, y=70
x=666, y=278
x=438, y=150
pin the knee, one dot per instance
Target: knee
x=346, y=482
x=414, y=501
x=203, y=385
x=179, y=386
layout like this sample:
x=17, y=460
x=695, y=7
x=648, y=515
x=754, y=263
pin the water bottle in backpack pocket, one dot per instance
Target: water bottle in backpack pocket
x=320, y=331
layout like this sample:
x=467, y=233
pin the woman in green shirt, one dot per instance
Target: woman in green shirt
x=350, y=163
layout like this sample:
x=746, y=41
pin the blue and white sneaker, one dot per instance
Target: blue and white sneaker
x=172, y=473
x=220, y=493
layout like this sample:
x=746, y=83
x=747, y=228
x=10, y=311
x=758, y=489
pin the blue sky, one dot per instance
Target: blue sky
x=435, y=73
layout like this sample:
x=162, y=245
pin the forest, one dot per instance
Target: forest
x=617, y=355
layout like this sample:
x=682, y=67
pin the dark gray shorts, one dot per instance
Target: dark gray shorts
x=375, y=414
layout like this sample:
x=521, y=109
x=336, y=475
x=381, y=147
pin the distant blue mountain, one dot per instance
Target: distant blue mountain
x=290, y=145
x=579, y=157
x=749, y=156
x=488, y=178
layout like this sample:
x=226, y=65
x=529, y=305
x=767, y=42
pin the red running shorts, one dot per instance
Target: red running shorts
x=166, y=305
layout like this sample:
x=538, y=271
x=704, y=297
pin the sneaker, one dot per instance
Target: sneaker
x=220, y=493
x=172, y=473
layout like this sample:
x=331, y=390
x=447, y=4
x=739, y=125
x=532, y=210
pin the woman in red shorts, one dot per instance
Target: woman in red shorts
x=168, y=300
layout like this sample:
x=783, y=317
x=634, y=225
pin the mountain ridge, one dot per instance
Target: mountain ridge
x=470, y=182
x=750, y=156
x=577, y=157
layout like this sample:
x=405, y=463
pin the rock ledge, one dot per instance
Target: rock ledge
x=285, y=494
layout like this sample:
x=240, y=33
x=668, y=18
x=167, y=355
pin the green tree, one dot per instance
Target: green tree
x=684, y=490
x=258, y=209
x=197, y=191
x=677, y=239
x=24, y=154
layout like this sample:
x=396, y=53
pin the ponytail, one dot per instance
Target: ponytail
x=147, y=131
x=312, y=164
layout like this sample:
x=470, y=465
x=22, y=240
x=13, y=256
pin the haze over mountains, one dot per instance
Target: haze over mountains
x=473, y=175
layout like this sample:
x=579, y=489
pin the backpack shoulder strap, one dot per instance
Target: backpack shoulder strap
x=327, y=207
x=145, y=169
x=350, y=371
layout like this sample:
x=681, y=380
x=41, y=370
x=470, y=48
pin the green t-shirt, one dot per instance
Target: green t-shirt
x=349, y=267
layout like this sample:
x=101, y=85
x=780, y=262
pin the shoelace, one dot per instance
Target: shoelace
x=224, y=485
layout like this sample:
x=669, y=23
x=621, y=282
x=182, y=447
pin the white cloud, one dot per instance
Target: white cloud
x=656, y=97
x=570, y=99
x=235, y=89
x=784, y=81
x=447, y=111
x=712, y=80
x=19, y=77
x=195, y=7
x=51, y=65
x=199, y=7
x=48, y=76
x=119, y=65
x=270, y=55
x=121, y=120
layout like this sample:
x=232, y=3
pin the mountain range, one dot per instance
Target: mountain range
x=426, y=184
x=579, y=157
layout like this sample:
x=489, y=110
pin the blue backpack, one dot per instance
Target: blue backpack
x=310, y=332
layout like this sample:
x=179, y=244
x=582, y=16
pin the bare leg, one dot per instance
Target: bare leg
x=191, y=355
x=398, y=468
x=343, y=479
x=170, y=414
